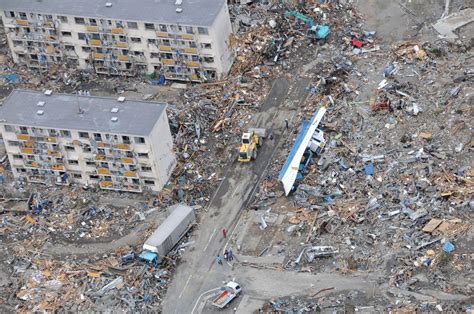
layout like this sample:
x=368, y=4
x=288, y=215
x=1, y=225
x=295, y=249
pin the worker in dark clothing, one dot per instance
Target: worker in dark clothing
x=286, y=124
x=230, y=257
x=226, y=256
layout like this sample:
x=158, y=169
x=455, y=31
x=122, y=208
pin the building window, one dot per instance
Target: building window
x=17, y=157
x=135, y=39
x=69, y=148
x=163, y=28
x=126, y=139
x=62, y=18
x=79, y=20
x=73, y=162
x=10, y=14
x=145, y=168
x=211, y=74
x=98, y=137
x=23, y=15
x=69, y=47
x=66, y=34
x=83, y=135
x=94, y=177
x=23, y=130
x=189, y=30
x=154, y=55
x=77, y=176
x=206, y=46
x=90, y=163
x=151, y=41
x=132, y=25
x=53, y=132
x=86, y=49
x=140, y=140
x=209, y=59
x=149, y=182
x=150, y=26
x=86, y=149
x=93, y=22
x=9, y=128
x=81, y=36
x=13, y=143
x=142, y=155
x=203, y=31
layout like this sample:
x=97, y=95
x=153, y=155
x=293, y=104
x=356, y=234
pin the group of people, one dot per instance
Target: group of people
x=228, y=256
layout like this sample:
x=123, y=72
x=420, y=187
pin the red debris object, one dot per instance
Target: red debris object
x=358, y=43
x=381, y=106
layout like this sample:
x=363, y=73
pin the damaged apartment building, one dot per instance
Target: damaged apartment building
x=114, y=144
x=186, y=40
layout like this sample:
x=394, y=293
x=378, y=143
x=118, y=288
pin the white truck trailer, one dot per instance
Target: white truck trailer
x=167, y=235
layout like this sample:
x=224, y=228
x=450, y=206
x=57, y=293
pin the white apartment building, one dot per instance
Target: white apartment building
x=187, y=40
x=116, y=144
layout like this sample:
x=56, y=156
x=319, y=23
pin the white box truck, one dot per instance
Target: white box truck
x=168, y=234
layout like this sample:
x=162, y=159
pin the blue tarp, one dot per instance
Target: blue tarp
x=448, y=247
x=369, y=170
x=12, y=78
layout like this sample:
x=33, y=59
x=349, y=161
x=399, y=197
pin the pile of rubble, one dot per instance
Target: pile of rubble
x=106, y=283
x=392, y=192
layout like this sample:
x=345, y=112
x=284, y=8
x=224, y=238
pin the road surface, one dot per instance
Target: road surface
x=199, y=273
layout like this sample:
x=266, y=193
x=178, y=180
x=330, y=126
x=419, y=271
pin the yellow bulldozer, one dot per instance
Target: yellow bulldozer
x=251, y=141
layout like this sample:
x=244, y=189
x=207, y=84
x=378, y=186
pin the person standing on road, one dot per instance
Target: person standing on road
x=230, y=257
x=218, y=259
x=224, y=233
x=226, y=256
x=286, y=124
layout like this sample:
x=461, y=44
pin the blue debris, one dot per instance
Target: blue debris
x=12, y=78
x=448, y=247
x=389, y=70
x=369, y=169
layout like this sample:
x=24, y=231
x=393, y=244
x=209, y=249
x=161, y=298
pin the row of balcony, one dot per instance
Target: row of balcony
x=36, y=151
x=107, y=30
x=124, y=160
x=117, y=186
x=34, y=37
x=46, y=166
x=44, y=139
x=34, y=23
x=109, y=172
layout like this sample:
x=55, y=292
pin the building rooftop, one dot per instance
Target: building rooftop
x=194, y=12
x=61, y=111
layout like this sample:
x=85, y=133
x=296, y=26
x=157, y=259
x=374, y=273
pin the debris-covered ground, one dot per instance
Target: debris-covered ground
x=390, y=195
